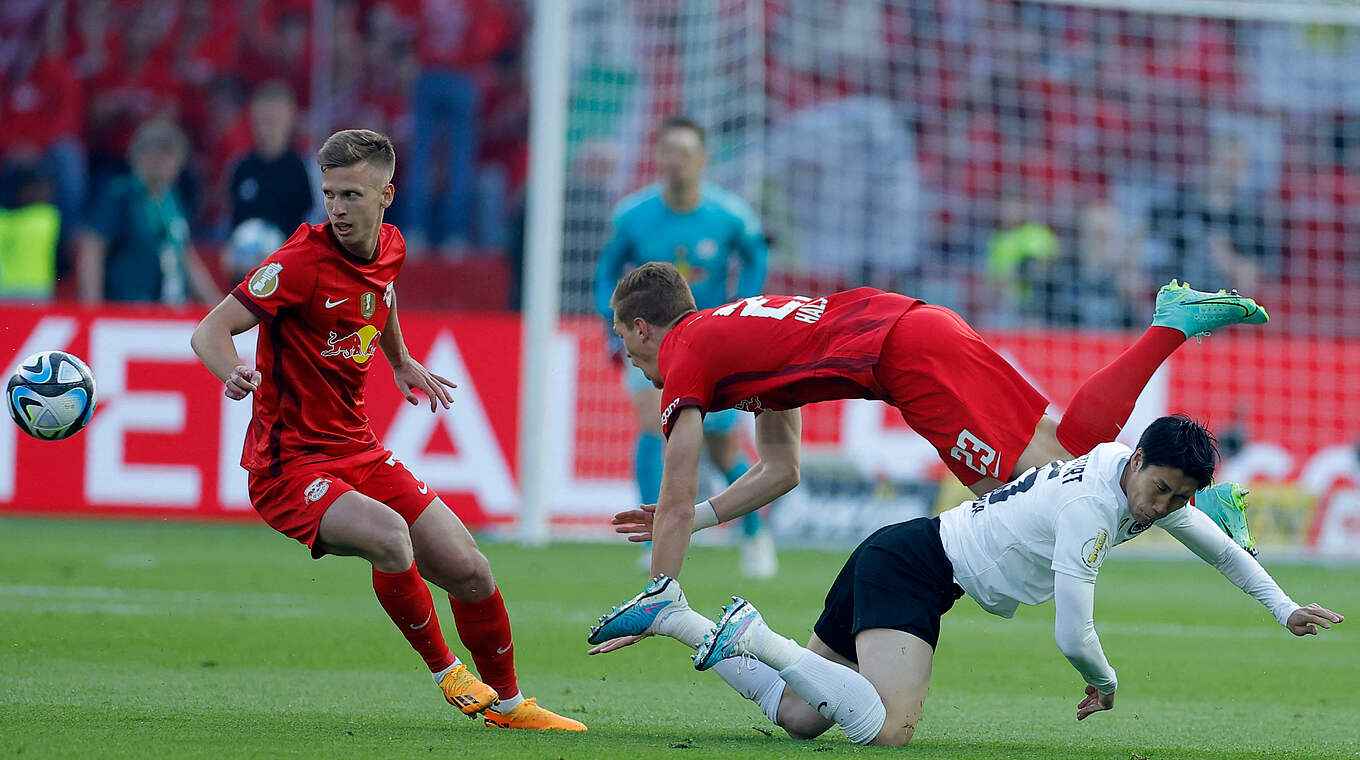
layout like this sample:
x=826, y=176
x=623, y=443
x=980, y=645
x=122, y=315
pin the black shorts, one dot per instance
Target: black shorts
x=898, y=578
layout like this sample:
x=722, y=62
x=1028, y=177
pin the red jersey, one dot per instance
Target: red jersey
x=322, y=311
x=777, y=352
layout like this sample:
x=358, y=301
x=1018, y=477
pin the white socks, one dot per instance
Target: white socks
x=506, y=705
x=838, y=693
x=439, y=677
x=755, y=681
x=683, y=624
x=774, y=650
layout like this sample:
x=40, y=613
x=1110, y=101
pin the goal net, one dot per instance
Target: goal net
x=1039, y=167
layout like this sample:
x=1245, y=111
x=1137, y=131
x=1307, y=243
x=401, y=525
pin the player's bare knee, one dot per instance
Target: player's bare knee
x=894, y=736
x=469, y=579
x=389, y=548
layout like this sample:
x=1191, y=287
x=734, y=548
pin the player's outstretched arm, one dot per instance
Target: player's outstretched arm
x=1074, y=631
x=674, y=517
x=409, y=374
x=778, y=439
x=1198, y=532
x=1304, y=620
x=776, y=471
x=212, y=342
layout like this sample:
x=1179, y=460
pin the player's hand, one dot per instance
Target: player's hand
x=636, y=522
x=1304, y=619
x=241, y=383
x=618, y=643
x=411, y=376
x=1094, y=701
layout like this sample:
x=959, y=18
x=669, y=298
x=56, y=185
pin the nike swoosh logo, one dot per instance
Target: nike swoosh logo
x=422, y=625
x=423, y=489
x=504, y=649
x=332, y=304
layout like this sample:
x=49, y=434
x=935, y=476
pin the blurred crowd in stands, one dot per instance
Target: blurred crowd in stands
x=1023, y=162
x=133, y=129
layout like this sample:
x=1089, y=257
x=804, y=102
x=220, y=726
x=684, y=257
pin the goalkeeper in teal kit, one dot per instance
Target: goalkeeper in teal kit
x=706, y=232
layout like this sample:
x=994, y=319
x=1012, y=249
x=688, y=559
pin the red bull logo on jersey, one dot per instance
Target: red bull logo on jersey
x=359, y=345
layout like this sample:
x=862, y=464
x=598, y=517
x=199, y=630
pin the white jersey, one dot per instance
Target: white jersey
x=1057, y=523
x=1062, y=517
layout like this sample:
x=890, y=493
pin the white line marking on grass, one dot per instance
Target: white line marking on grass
x=141, y=601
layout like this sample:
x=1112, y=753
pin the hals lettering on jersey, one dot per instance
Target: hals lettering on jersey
x=803, y=309
x=811, y=311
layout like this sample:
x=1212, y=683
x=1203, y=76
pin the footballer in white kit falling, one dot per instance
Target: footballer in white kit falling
x=1044, y=536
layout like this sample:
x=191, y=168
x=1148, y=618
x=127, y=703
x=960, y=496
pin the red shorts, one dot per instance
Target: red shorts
x=958, y=393
x=293, y=503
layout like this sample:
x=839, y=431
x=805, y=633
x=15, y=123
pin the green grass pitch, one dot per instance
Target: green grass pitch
x=166, y=640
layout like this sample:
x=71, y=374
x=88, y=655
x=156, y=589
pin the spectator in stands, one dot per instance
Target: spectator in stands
x=1214, y=232
x=270, y=182
x=1112, y=286
x=457, y=41
x=276, y=44
x=1021, y=256
x=131, y=80
x=43, y=110
x=28, y=239
x=138, y=247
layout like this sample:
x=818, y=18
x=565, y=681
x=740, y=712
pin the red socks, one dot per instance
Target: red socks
x=1104, y=402
x=484, y=628
x=407, y=601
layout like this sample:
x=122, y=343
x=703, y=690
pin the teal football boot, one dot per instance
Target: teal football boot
x=1226, y=505
x=1195, y=312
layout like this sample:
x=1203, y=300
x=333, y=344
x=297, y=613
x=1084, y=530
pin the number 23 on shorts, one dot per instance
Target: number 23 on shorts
x=976, y=455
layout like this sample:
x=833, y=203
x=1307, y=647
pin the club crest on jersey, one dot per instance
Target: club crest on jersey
x=368, y=303
x=1093, y=551
x=706, y=248
x=316, y=490
x=359, y=345
x=265, y=280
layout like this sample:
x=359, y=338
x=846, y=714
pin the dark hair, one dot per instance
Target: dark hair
x=352, y=146
x=1180, y=442
x=655, y=291
x=682, y=122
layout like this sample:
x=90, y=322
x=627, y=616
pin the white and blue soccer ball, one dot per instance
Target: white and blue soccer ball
x=250, y=243
x=51, y=395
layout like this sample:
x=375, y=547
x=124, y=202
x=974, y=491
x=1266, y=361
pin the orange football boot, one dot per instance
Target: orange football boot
x=529, y=715
x=464, y=691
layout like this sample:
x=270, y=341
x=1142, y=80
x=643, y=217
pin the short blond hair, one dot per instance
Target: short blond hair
x=352, y=146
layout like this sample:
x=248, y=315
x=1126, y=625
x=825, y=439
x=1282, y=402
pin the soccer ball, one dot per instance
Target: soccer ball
x=250, y=243
x=51, y=395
